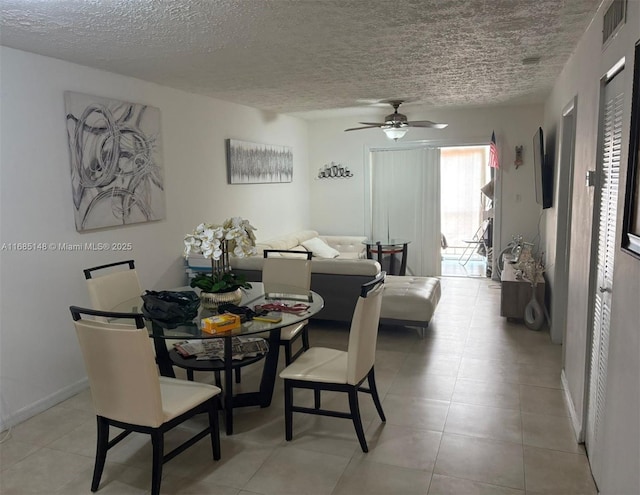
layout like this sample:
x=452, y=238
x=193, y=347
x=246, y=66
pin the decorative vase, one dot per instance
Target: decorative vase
x=533, y=312
x=211, y=300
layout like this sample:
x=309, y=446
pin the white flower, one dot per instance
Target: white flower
x=207, y=239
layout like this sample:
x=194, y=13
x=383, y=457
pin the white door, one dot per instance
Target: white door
x=607, y=203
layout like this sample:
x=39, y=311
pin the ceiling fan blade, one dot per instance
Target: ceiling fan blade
x=426, y=123
x=365, y=127
x=372, y=123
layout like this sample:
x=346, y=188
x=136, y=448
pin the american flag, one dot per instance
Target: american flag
x=493, y=152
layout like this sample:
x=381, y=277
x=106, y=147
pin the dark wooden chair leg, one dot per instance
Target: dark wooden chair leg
x=214, y=425
x=316, y=398
x=374, y=394
x=157, y=442
x=228, y=402
x=287, y=352
x=101, y=452
x=190, y=375
x=357, y=420
x=238, y=375
x=305, y=338
x=216, y=374
x=288, y=412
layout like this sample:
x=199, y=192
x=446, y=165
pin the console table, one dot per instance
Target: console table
x=516, y=294
x=391, y=248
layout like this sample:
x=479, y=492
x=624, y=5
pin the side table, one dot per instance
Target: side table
x=515, y=294
x=387, y=253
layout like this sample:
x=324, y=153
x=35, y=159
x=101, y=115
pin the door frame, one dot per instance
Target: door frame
x=560, y=295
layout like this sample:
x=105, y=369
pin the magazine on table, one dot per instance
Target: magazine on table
x=207, y=349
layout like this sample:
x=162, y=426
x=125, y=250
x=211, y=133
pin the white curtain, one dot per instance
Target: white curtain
x=464, y=170
x=405, y=204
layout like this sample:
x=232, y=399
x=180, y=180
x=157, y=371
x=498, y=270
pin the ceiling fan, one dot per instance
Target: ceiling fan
x=396, y=125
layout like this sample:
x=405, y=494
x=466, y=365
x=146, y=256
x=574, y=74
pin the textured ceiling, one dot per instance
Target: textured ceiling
x=306, y=55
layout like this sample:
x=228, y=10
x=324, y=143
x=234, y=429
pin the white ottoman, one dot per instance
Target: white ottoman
x=409, y=301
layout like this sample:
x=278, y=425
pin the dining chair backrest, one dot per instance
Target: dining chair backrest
x=286, y=271
x=363, y=334
x=108, y=291
x=121, y=367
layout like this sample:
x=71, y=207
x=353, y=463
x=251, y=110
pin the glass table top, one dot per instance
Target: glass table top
x=285, y=297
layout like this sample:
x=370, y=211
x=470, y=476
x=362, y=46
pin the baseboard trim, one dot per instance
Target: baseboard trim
x=41, y=405
x=575, y=420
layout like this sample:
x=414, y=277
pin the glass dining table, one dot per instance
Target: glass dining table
x=280, y=296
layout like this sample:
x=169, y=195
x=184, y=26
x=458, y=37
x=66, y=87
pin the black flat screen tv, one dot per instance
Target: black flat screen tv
x=543, y=172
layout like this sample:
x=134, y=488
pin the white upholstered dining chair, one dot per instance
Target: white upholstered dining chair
x=289, y=272
x=321, y=368
x=128, y=393
x=108, y=291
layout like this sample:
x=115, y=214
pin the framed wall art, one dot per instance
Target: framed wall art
x=116, y=161
x=631, y=219
x=253, y=163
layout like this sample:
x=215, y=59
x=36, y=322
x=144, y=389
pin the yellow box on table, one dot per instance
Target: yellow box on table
x=220, y=323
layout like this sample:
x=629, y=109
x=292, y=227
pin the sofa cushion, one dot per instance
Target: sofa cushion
x=320, y=249
x=340, y=266
x=285, y=253
x=351, y=256
x=334, y=266
x=350, y=246
x=305, y=235
x=410, y=298
x=286, y=242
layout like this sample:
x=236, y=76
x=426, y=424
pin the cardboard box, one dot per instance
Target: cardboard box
x=220, y=323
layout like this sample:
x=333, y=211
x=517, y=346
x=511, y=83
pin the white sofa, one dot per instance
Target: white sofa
x=337, y=279
x=407, y=301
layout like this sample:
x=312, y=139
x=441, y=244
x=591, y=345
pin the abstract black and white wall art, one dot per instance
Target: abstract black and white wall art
x=252, y=163
x=116, y=161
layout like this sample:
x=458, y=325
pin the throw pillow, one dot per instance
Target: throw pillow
x=320, y=249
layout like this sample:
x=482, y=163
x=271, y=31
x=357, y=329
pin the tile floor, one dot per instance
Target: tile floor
x=451, y=267
x=474, y=408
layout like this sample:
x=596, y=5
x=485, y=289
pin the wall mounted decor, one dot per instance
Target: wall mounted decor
x=631, y=219
x=116, y=161
x=518, y=161
x=334, y=171
x=253, y=163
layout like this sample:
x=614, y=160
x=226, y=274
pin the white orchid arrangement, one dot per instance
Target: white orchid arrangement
x=215, y=242
x=209, y=239
x=530, y=267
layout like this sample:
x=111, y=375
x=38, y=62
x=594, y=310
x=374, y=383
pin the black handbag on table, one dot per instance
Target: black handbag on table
x=170, y=306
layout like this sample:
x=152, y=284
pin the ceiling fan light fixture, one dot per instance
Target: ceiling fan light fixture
x=396, y=125
x=395, y=133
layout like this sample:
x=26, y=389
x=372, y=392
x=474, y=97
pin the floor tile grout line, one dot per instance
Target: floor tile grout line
x=457, y=380
x=524, y=464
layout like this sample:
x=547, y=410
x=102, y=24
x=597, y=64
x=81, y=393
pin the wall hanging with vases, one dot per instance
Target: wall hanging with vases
x=334, y=171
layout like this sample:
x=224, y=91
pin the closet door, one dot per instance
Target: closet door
x=607, y=203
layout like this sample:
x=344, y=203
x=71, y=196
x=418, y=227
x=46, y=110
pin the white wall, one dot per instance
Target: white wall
x=40, y=362
x=621, y=432
x=338, y=205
